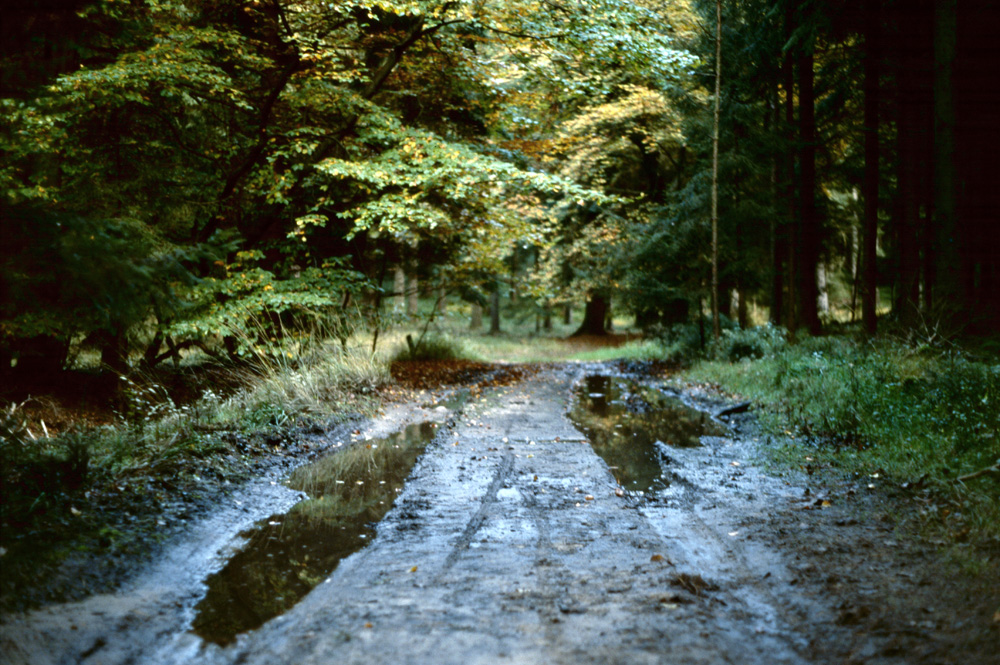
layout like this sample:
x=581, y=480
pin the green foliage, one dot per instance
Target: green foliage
x=70, y=491
x=756, y=342
x=262, y=314
x=68, y=277
x=434, y=346
x=889, y=410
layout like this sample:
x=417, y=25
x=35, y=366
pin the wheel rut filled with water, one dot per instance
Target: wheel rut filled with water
x=287, y=554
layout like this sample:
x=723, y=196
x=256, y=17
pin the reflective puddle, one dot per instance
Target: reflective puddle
x=623, y=421
x=287, y=555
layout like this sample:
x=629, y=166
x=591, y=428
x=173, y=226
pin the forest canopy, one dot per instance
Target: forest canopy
x=174, y=174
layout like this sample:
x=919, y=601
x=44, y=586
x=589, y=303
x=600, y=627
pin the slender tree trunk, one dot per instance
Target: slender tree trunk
x=412, y=290
x=442, y=300
x=476, y=320
x=929, y=258
x=948, y=269
x=809, y=250
x=823, y=295
x=856, y=259
x=495, y=310
x=869, y=292
x=399, y=289
x=792, y=229
x=907, y=294
x=716, y=327
x=776, y=227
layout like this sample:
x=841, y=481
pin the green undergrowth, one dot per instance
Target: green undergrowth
x=435, y=346
x=101, y=489
x=916, y=418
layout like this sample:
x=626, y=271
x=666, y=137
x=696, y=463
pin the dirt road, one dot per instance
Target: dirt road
x=512, y=543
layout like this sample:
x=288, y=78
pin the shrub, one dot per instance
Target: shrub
x=758, y=342
x=431, y=347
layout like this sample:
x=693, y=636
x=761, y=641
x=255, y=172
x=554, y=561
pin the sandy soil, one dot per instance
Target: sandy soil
x=512, y=543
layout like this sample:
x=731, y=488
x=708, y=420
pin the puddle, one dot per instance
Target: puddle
x=287, y=555
x=623, y=421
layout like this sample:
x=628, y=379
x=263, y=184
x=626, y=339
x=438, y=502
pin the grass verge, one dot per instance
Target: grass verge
x=919, y=420
x=103, y=490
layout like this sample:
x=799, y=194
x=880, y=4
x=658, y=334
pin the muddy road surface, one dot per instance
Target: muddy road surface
x=513, y=541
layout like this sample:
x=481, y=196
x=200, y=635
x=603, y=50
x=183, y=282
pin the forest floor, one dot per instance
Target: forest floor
x=511, y=541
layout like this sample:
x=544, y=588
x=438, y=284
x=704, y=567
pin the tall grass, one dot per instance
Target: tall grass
x=63, y=493
x=882, y=410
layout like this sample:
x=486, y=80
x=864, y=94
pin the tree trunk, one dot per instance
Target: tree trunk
x=823, y=297
x=495, y=311
x=476, y=321
x=442, y=300
x=808, y=254
x=114, y=352
x=869, y=292
x=948, y=268
x=399, y=289
x=412, y=293
x=594, y=316
x=777, y=228
x=716, y=327
x=908, y=285
x=792, y=229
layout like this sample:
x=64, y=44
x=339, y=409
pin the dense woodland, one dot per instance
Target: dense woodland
x=199, y=174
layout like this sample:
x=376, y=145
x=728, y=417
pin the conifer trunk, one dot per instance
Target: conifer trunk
x=869, y=292
x=716, y=327
x=808, y=255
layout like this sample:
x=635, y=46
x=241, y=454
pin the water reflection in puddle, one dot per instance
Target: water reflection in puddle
x=623, y=421
x=287, y=555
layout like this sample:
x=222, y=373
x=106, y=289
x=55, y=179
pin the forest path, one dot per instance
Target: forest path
x=511, y=543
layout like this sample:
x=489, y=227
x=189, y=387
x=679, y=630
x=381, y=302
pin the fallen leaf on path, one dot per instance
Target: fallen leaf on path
x=693, y=583
x=656, y=557
x=413, y=570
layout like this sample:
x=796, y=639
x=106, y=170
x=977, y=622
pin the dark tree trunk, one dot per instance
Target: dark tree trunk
x=907, y=303
x=949, y=268
x=869, y=292
x=495, y=311
x=114, y=352
x=792, y=229
x=716, y=330
x=809, y=240
x=594, y=316
x=778, y=229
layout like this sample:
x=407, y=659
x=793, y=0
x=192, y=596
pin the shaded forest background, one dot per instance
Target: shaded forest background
x=210, y=173
x=213, y=212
